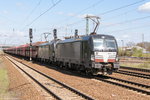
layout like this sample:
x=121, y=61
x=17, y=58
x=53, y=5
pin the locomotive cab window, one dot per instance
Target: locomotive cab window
x=101, y=44
x=98, y=44
x=110, y=44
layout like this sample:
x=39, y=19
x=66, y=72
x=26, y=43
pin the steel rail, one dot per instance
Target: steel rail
x=129, y=82
x=138, y=69
x=64, y=85
x=124, y=86
x=55, y=96
x=133, y=74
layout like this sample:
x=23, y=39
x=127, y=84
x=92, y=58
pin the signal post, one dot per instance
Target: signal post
x=31, y=37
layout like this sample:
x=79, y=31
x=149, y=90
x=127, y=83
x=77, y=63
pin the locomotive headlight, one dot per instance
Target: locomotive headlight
x=117, y=58
x=92, y=57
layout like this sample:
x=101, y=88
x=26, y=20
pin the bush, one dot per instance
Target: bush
x=134, y=52
x=137, y=53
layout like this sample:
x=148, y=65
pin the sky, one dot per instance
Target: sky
x=126, y=20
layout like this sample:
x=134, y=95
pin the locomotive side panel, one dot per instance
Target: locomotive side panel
x=76, y=53
x=46, y=52
x=86, y=54
x=43, y=52
x=69, y=52
x=40, y=52
x=51, y=52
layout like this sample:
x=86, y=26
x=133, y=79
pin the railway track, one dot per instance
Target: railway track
x=135, y=57
x=144, y=89
x=129, y=82
x=57, y=89
x=141, y=75
x=141, y=88
x=138, y=62
x=137, y=69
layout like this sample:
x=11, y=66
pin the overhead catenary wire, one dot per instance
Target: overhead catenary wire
x=110, y=11
x=125, y=6
x=78, y=22
x=26, y=17
x=43, y=13
x=39, y=2
x=91, y=6
x=119, y=15
x=130, y=28
x=128, y=21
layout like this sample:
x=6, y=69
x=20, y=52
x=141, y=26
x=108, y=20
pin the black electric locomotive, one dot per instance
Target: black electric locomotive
x=92, y=53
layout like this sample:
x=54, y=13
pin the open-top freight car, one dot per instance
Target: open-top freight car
x=33, y=51
x=24, y=50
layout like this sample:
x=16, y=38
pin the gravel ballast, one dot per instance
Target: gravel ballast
x=92, y=87
x=19, y=85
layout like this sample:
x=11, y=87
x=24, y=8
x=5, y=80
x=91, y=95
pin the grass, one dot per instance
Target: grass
x=133, y=62
x=142, y=55
x=1, y=51
x=3, y=82
x=146, y=55
x=145, y=65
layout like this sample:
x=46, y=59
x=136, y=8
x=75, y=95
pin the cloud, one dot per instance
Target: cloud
x=19, y=4
x=5, y=12
x=125, y=36
x=60, y=13
x=66, y=14
x=118, y=39
x=13, y=33
x=107, y=24
x=19, y=33
x=71, y=14
x=74, y=14
x=145, y=7
x=84, y=15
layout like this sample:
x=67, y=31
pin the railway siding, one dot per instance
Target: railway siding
x=125, y=85
x=134, y=74
x=138, y=69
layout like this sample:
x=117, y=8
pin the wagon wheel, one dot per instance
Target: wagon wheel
x=89, y=72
